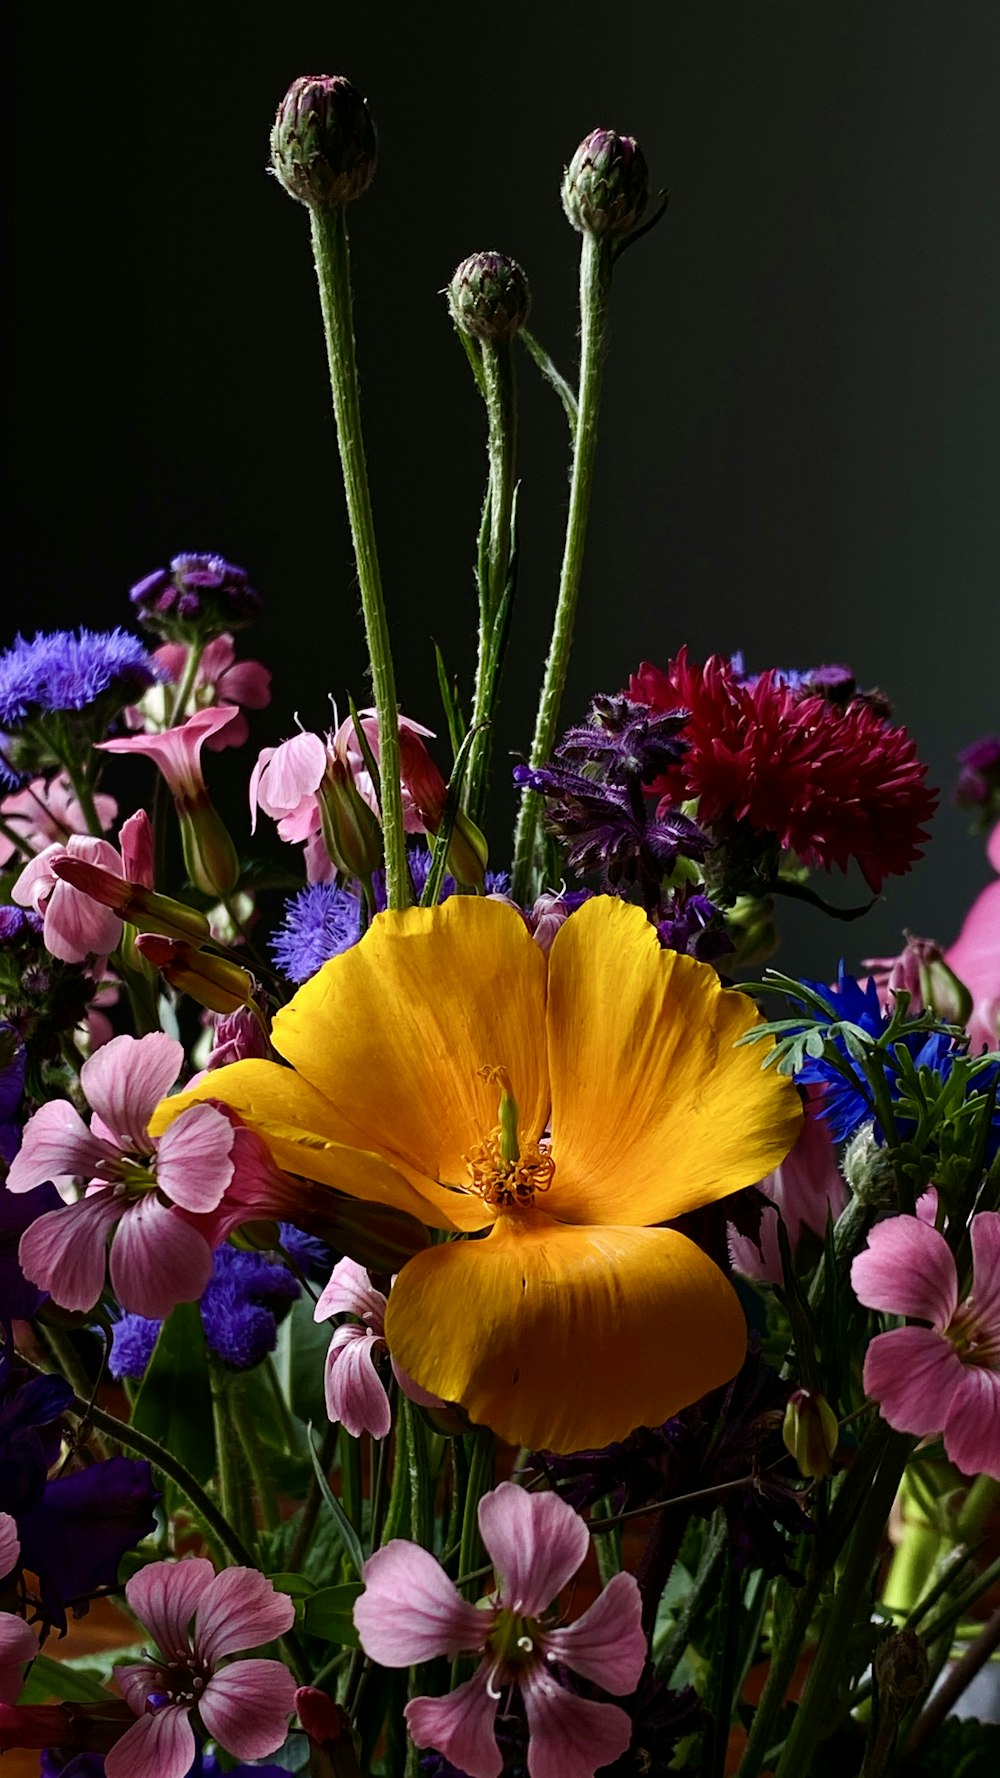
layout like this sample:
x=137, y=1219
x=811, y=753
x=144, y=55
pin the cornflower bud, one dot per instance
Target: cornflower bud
x=323, y=144
x=606, y=185
x=810, y=1431
x=489, y=297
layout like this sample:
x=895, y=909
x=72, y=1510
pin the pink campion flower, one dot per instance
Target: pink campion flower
x=356, y=1396
x=284, y=783
x=17, y=1644
x=152, y=1197
x=46, y=812
x=244, y=1706
x=410, y=1612
x=209, y=854
x=945, y=1377
x=424, y=788
x=806, y=1189
x=75, y=927
x=220, y=679
x=975, y=958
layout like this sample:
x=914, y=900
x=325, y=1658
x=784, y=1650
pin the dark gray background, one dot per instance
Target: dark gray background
x=799, y=443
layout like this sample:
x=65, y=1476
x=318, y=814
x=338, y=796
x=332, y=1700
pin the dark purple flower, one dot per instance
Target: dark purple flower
x=693, y=925
x=76, y=1535
x=248, y=1295
x=624, y=740
x=610, y=830
x=978, y=784
x=320, y=922
x=12, y=1064
x=197, y=597
x=19, y=1299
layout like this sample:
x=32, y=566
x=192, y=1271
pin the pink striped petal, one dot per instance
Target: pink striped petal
x=77, y=927
x=240, y=1609
x=570, y=1737
x=161, y=1743
x=247, y=683
x=460, y=1726
x=10, y=1544
x=246, y=1707
x=984, y=1233
x=351, y=1290
x=57, y=1145
x=536, y=1543
x=194, y=1162
x=157, y=1259
x=607, y=1644
x=137, y=1681
x=64, y=1252
x=912, y=1374
x=972, y=1427
x=907, y=1269
x=410, y=1611
x=164, y=1596
x=355, y=1393
x=17, y=1645
x=126, y=1080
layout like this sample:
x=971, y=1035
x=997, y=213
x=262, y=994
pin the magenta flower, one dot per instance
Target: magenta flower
x=220, y=679
x=75, y=927
x=244, y=1706
x=805, y=1190
x=410, y=1612
x=148, y=1194
x=9, y=1545
x=975, y=958
x=943, y=1378
x=46, y=812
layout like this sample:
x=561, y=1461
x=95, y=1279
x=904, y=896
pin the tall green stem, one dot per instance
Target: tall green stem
x=235, y=1480
x=595, y=291
x=500, y=393
x=333, y=270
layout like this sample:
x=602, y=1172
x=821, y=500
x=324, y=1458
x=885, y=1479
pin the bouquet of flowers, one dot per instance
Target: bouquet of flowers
x=560, y=1344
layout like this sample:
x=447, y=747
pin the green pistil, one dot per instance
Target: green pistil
x=138, y=1176
x=514, y=1642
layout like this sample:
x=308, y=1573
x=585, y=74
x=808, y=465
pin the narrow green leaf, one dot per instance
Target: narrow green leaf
x=348, y=1536
x=174, y=1404
x=553, y=377
x=65, y=1681
x=448, y=689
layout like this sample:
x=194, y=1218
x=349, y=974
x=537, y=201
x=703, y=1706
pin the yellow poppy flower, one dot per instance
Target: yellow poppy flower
x=553, y=1109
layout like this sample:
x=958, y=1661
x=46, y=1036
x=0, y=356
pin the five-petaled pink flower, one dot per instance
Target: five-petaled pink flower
x=943, y=1378
x=151, y=1194
x=75, y=927
x=45, y=813
x=220, y=679
x=244, y=1706
x=410, y=1612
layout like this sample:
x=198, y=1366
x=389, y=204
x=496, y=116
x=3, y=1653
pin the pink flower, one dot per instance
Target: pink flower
x=244, y=1706
x=75, y=927
x=975, y=958
x=943, y=1378
x=177, y=751
x=10, y=1547
x=356, y=1396
x=805, y=1190
x=424, y=788
x=45, y=812
x=17, y=1644
x=153, y=1196
x=284, y=783
x=410, y=1612
x=220, y=679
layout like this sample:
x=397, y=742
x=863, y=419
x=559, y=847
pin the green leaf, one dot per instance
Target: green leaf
x=553, y=377
x=329, y=1614
x=448, y=689
x=348, y=1536
x=174, y=1405
x=64, y=1680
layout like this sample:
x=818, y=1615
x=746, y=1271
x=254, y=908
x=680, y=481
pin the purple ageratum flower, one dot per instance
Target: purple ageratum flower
x=197, y=596
x=320, y=922
x=248, y=1295
x=67, y=672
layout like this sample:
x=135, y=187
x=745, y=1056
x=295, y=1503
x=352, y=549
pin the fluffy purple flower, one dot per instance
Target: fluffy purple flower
x=321, y=921
x=197, y=596
x=70, y=670
x=248, y=1295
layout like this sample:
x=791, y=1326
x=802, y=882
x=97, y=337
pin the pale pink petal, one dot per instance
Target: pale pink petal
x=157, y=1259
x=318, y=864
x=235, y=734
x=294, y=771
x=355, y=1393
x=907, y=1269
x=993, y=847
x=76, y=927
x=808, y=1186
x=127, y=1079
x=265, y=754
x=460, y=1726
x=57, y=1145
x=975, y=958
x=10, y=1544
x=350, y=1289
x=161, y=1743
x=410, y=1611
x=177, y=751
x=607, y=1644
x=570, y=1737
x=164, y=1596
x=300, y=822
x=135, y=1683
x=194, y=1158
x=34, y=885
x=17, y=1645
x=422, y=1397
x=64, y=1252
x=912, y=1373
x=240, y=1609
x=135, y=840
x=972, y=1427
x=246, y=1707
x=984, y=1303
x=536, y=1543
x=762, y=1260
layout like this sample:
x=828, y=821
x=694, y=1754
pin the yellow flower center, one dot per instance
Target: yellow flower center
x=499, y=1172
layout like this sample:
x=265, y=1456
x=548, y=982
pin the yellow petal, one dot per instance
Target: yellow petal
x=394, y=1032
x=294, y=1121
x=654, y=1111
x=566, y=1338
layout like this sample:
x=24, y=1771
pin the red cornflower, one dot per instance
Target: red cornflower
x=831, y=784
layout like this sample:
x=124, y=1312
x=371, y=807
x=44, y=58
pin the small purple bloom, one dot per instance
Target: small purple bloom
x=693, y=925
x=978, y=784
x=197, y=595
x=248, y=1295
x=319, y=922
x=624, y=740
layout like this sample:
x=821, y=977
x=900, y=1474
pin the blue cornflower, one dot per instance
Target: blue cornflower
x=248, y=1294
x=319, y=922
x=198, y=596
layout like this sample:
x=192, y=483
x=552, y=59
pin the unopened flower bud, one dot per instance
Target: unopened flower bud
x=209, y=854
x=323, y=144
x=869, y=1170
x=212, y=981
x=351, y=833
x=810, y=1431
x=901, y=1669
x=489, y=297
x=606, y=185
x=141, y=907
